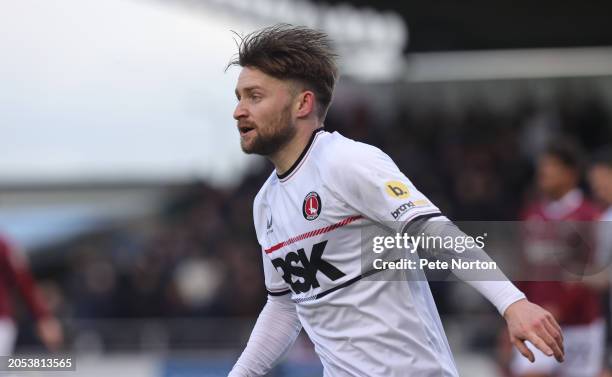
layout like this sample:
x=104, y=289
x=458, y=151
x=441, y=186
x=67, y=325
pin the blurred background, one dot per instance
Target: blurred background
x=123, y=185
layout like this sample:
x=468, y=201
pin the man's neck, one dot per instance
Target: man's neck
x=284, y=159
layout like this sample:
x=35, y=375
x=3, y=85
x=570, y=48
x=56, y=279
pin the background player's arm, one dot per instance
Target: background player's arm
x=17, y=274
x=276, y=329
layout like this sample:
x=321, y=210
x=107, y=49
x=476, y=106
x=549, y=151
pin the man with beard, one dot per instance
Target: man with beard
x=309, y=215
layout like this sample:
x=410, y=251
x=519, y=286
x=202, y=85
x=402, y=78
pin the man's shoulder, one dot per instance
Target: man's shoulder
x=338, y=152
x=259, y=203
x=264, y=189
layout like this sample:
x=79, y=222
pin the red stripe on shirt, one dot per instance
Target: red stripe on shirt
x=313, y=233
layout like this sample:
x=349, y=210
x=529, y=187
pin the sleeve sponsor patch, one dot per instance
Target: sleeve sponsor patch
x=397, y=189
x=399, y=211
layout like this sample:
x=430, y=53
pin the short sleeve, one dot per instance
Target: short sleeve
x=370, y=182
x=275, y=285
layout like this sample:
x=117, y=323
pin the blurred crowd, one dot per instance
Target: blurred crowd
x=200, y=257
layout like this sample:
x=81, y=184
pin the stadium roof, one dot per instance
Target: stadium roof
x=450, y=25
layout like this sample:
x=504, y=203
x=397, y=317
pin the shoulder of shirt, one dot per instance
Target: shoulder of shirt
x=339, y=152
x=263, y=190
x=259, y=202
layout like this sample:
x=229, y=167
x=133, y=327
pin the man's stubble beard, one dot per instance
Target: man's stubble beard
x=278, y=136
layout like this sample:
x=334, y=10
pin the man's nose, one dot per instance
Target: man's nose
x=239, y=111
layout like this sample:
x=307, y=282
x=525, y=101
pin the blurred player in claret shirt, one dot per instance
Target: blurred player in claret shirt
x=576, y=305
x=600, y=180
x=15, y=275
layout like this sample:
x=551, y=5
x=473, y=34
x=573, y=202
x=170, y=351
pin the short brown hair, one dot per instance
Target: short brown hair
x=567, y=151
x=290, y=52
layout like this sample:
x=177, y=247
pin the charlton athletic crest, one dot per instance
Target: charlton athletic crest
x=312, y=206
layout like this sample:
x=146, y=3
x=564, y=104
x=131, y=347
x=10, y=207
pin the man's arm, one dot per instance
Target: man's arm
x=369, y=181
x=276, y=329
x=526, y=321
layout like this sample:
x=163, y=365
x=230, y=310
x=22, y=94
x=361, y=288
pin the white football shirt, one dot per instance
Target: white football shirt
x=309, y=222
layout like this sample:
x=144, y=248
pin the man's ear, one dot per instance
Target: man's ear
x=305, y=104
